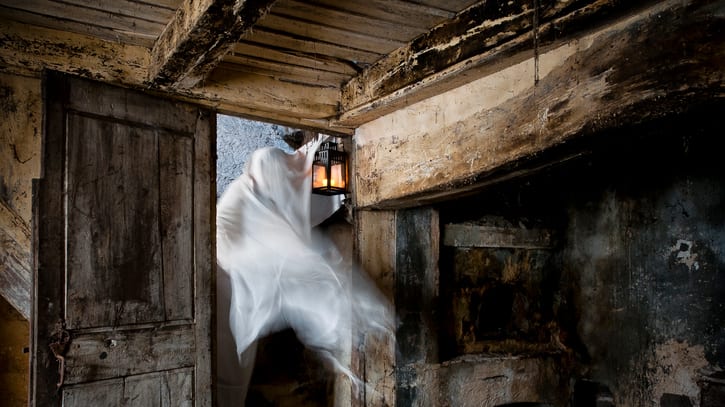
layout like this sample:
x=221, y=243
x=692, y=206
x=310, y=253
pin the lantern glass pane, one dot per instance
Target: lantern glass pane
x=337, y=178
x=319, y=176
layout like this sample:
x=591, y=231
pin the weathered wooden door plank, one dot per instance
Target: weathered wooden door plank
x=124, y=250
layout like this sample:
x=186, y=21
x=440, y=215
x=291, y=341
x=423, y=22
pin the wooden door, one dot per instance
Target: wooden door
x=124, y=247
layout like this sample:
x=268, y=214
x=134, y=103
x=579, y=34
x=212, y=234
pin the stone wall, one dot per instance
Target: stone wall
x=236, y=139
x=635, y=301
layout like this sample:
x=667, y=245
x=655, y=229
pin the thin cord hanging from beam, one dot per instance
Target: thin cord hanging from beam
x=536, y=41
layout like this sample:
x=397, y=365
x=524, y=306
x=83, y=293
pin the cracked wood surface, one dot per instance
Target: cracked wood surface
x=16, y=276
x=659, y=62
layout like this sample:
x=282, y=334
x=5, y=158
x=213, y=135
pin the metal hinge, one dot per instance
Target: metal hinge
x=59, y=344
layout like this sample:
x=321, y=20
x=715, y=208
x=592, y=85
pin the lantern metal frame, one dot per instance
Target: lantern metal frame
x=328, y=156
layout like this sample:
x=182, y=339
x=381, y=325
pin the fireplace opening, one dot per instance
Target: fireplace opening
x=610, y=264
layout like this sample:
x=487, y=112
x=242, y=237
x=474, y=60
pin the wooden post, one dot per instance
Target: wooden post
x=399, y=250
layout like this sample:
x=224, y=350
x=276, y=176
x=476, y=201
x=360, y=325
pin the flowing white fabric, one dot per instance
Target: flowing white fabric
x=276, y=273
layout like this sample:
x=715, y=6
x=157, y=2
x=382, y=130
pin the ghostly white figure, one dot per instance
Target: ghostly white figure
x=274, y=272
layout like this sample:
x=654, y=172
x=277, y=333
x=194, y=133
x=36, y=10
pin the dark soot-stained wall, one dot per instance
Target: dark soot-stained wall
x=634, y=289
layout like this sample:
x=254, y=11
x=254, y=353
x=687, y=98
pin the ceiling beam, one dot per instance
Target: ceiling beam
x=198, y=37
x=483, y=39
x=16, y=273
x=28, y=51
x=657, y=63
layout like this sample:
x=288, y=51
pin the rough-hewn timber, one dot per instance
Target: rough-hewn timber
x=655, y=63
x=16, y=277
x=29, y=52
x=373, y=358
x=198, y=37
x=480, y=40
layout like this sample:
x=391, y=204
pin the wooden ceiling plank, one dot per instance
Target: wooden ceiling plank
x=170, y=4
x=37, y=20
x=197, y=38
x=313, y=62
x=398, y=31
x=329, y=34
x=323, y=126
x=268, y=94
x=470, y=33
x=453, y=6
x=391, y=11
x=129, y=8
x=75, y=17
x=28, y=50
x=284, y=72
x=312, y=47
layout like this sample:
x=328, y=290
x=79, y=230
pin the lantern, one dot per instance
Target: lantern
x=329, y=170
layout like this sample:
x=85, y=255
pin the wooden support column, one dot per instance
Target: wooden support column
x=373, y=359
x=399, y=250
x=416, y=294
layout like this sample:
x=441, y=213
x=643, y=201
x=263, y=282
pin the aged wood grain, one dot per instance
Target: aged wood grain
x=374, y=358
x=176, y=170
x=295, y=58
x=199, y=35
x=139, y=258
x=460, y=235
x=72, y=18
x=478, y=41
x=396, y=31
x=400, y=12
x=119, y=353
x=612, y=76
x=204, y=223
x=113, y=224
x=39, y=48
x=290, y=99
x=324, y=33
x=164, y=389
x=16, y=275
x=416, y=291
x=118, y=103
x=310, y=46
x=48, y=251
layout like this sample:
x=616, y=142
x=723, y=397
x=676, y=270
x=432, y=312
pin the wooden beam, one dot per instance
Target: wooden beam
x=261, y=98
x=16, y=274
x=656, y=63
x=459, y=235
x=197, y=38
x=373, y=357
x=29, y=50
x=480, y=40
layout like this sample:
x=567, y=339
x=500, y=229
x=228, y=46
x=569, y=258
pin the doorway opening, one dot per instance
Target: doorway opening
x=285, y=372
